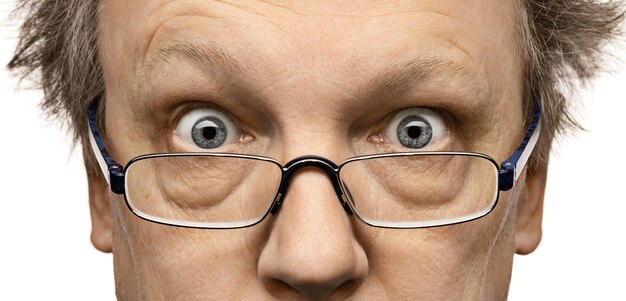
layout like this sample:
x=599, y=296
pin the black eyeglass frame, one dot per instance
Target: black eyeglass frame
x=508, y=173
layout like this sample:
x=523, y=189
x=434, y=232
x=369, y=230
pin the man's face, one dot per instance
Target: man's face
x=311, y=77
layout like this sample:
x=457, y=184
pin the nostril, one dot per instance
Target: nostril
x=320, y=285
x=277, y=288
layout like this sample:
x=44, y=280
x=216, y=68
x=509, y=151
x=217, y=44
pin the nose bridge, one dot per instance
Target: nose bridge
x=311, y=249
x=328, y=166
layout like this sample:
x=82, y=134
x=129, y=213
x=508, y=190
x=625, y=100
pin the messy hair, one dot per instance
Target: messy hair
x=561, y=44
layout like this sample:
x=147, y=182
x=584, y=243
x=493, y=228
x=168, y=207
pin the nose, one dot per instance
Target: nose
x=311, y=251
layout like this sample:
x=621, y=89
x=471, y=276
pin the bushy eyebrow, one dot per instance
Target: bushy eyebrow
x=209, y=58
x=400, y=77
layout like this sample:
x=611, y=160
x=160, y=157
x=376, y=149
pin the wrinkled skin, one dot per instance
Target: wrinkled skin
x=309, y=77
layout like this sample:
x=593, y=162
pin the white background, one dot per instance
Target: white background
x=45, y=252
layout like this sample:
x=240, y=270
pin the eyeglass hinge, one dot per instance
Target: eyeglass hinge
x=506, y=176
x=116, y=173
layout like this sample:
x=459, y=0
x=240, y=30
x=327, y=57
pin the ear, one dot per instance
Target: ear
x=530, y=209
x=99, y=207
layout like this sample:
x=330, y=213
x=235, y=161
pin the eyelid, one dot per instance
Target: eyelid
x=184, y=108
x=220, y=113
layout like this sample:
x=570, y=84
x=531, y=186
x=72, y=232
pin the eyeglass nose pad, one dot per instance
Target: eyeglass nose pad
x=276, y=203
x=346, y=198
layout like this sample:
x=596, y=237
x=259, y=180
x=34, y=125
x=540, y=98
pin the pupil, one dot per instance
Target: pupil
x=209, y=133
x=414, y=132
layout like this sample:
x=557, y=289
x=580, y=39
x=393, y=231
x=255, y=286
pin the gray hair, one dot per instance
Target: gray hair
x=560, y=41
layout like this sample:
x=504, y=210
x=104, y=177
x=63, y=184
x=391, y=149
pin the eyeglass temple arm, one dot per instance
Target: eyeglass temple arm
x=112, y=171
x=512, y=167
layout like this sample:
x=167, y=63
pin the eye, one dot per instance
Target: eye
x=206, y=128
x=416, y=128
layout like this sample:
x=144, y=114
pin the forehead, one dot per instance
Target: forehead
x=333, y=40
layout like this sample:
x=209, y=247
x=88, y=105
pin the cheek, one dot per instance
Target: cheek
x=178, y=262
x=437, y=259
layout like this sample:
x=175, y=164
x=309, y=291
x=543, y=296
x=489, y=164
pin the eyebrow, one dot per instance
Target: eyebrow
x=209, y=58
x=400, y=77
x=396, y=79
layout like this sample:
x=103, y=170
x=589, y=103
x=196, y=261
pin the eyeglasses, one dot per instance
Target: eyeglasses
x=391, y=190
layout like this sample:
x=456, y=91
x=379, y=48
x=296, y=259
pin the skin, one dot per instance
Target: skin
x=308, y=77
